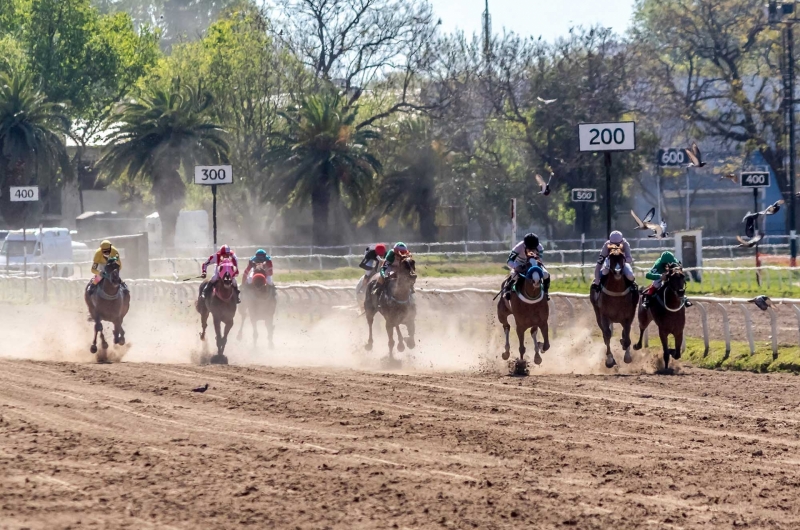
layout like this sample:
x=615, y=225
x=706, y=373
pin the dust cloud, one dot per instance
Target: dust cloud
x=467, y=338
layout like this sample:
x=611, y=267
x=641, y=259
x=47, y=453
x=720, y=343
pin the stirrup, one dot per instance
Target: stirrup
x=687, y=302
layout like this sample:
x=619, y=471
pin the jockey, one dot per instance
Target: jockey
x=260, y=257
x=373, y=259
x=399, y=249
x=223, y=253
x=104, y=253
x=518, y=263
x=614, y=239
x=658, y=274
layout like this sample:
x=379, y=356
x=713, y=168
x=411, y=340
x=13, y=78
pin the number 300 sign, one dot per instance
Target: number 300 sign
x=212, y=175
x=607, y=136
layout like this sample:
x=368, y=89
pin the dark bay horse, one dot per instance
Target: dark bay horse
x=615, y=304
x=259, y=301
x=396, y=303
x=529, y=307
x=110, y=302
x=668, y=309
x=222, y=306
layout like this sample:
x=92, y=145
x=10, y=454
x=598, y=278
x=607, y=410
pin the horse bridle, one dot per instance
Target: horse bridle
x=681, y=294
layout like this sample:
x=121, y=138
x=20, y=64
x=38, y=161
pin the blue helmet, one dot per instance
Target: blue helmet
x=261, y=253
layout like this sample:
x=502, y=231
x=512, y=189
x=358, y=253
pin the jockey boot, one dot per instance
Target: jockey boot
x=546, y=287
x=596, y=287
x=209, y=289
x=92, y=288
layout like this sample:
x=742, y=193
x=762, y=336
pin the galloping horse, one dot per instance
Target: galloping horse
x=615, y=304
x=530, y=310
x=668, y=309
x=259, y=302
x=396, y=303
x=222, y=305
x=110, y=302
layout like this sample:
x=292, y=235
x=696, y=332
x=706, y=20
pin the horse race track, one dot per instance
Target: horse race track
x=129, y=445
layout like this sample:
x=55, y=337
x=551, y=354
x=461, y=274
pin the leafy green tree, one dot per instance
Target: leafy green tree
x=32, y=149
x=408, y=192
x=161, y=134
x=323, y=158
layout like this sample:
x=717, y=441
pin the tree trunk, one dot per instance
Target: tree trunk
x=169, y=193
x=427, y=223
x=13, y=213
x=320, y=213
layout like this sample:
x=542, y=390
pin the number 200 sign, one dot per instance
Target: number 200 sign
x=212, y=175
x=607, y=136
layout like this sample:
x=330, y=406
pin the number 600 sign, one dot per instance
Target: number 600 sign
x=607, y=136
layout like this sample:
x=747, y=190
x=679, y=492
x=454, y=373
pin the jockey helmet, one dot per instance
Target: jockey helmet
x=261, y=253
x=400, y=248
x=105, y=245
x=531, y=241
x=616, y=237
x=668, y=257
x=380, y=249
x=225, y=250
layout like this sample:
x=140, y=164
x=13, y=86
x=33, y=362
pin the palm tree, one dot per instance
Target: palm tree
x=409, y=192
x=32, y=149
x=156, y=136
x=323, y=157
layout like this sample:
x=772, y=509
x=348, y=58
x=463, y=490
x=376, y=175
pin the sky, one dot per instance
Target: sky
x=547, y=18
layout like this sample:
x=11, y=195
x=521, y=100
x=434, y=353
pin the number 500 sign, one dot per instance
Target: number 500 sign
x=607, y=136
x=211, y=175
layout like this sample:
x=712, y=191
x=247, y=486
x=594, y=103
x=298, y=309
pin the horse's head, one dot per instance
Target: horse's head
x=408, y=269
x=259, y=280
x=535, y=275
x=111, y=271
x=676, y=280
x=226, y=272
x=616, y=259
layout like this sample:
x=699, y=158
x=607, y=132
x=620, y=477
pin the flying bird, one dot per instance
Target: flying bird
x=773, y=208
x=546, y=101
x=201, y=389
x=695, y=156
x=762, y=302
x=730, y=176
x=750, y=221
x=660, y=232
x=641, y=224
x=749, y=243
x=798, y=195
x=544, y=185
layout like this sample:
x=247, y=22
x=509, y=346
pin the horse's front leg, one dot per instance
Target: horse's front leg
x=605, y=327
x=254, y=323
x=244, y=320
x=664, y=336
x=98, y=327
x=119, y=333
x=390, y=334
x=270, y=328
x=203, y=323
x=218, y=335
x=521, y=337
x=644, y=320
x=400, y=344
x=625, y=341
x=370, y=320
x=411, y=328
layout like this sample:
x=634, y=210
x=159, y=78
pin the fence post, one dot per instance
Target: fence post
x=797, y=314
x=726, y=329
x=554, y=316
x=773, y=322
x=704, y=317
x=748, y=326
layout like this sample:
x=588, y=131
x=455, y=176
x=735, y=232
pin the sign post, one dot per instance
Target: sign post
x=607, y=137
x=213, y=176
x=23, y=194
x=674, y=157
x=583, y=196
x=756, y=180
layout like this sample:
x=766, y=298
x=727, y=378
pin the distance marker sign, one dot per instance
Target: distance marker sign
x=23, y=193
x=213, y=175
x=755, y=179
x=607, y=136
x=584, y=195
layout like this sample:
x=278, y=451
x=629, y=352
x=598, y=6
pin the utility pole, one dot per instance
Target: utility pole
x=487, y=33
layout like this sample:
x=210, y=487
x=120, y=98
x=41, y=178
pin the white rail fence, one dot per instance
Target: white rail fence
x=564, y=307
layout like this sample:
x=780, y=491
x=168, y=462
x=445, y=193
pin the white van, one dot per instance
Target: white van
x=50, y=247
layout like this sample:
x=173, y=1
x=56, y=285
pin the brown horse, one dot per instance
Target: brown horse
x=396, y=303
x=529, y=307
x=615, y=304
x=222, y=305
x=259, y=303
x=668, y=309
x=110, y=302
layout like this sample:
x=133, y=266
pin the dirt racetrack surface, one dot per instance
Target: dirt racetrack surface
x=129, y=445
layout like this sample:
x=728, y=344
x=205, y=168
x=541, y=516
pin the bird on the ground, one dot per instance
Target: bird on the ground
x=545, y=101
x=201, y=389
x=695, y=156
x=749, y=243
x=762, y=302
x=544, y=185
x=730, y=176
